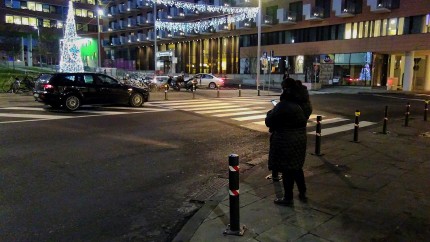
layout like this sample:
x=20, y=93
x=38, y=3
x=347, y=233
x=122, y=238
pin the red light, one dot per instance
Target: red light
x=47, y=86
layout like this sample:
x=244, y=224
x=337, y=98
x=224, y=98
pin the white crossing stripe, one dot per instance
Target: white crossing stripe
x=210, y=108
x=224, y=110
x=24, y=108
x=326, y=121
x=236, y=114
x=251, y=117
x=342, y=128
x=36, y=116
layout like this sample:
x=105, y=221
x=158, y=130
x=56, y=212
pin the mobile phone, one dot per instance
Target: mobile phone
x=274, y=102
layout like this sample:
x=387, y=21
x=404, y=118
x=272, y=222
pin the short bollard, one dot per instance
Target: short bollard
x=234, y=227
x=240, y=90
x=356, y=125
x=258, y=92
x=194, y=91
x=426, y=104
x=318, y=137
x=217, y=91
x=165, y=92
x=384, y=127
x=408, y=106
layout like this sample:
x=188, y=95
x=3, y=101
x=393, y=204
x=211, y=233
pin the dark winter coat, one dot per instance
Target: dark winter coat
x=287, y=122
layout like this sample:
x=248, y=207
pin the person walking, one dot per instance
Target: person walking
x=287, y=121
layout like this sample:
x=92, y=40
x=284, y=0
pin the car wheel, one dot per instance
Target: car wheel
x=136, y=99
x=72, y=102
x=212, y=85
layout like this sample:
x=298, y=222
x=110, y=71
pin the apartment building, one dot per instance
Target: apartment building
x=36, y=26
x=332, y=42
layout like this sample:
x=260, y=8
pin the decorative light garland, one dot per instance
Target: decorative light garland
x=235, y=14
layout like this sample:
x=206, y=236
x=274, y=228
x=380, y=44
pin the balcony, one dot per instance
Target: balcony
x=317, y=14
x=286, y=17
x=106, y=43
x=122, y=8
x=162, y=15
x=383, y=6
x=192, y=33
x=209, y=31
x=131, y=22
x=132, y=39
x=113, y=10
x=243, y=3
x=115, y=42
x=176, y=13
x=244, y=24
x=267, y=21
x=131, y=5
x=143, y=4
x=123, y=40
x=164, y=35
x=223, y=28
x=189, y=13
x=122, y=24
x=178, y=35
x=142, y=38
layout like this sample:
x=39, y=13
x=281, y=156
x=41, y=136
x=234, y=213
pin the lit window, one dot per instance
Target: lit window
x=9, y=19
x=360, y=30
x=39, y=7
x=45, y=8
x=78, y=12
x=59, y=24
x=392, y=26
x=384, y=27
x=91, y=14
x=84, y=13
x=17, y=20
x=24, y=21
x=348, y=31
x=46, y=23
x=93, y=2
x=377, y=29
x=31, y=6
x=32, y=22
x=366, y=29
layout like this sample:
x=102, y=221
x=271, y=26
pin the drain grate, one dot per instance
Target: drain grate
x=205, y=194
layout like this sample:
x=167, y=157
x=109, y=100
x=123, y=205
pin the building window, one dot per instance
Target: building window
x=392, y=26
x=377, y=29
x=45, y=8
x=78, y=12
x=348, y=31
x=93, y=2
x=23, y=5
x=24, y=20
x=9, y=19
x=31, y=6
x=46, y=23
x=39, y=7
x=17, y=20
x=59, y=24
x=32, y=22
x=91, y=14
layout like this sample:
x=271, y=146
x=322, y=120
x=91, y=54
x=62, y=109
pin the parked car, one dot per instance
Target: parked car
x=207, y=80
x=71, y=90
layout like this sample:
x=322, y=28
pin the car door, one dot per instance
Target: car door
x=89, y=89
x=113, y=91
x=206, y=79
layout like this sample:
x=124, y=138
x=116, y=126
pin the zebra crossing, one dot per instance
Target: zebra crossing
x=251, y=112
x=40, y=113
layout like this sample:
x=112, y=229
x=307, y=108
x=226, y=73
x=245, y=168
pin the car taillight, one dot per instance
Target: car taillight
x=221, y=80
x=47, y=86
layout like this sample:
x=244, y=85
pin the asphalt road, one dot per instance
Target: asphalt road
x=130, y=176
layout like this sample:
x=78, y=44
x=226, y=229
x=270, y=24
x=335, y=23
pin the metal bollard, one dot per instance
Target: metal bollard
x=356, y=125
x=258, y=92
x=217, y=91
x=318, y=137
x=165, y=92
x=240, y=90
x=384, y=127
x=408, y=106
x=194, y=91
x=426, y=109
x=234, y=227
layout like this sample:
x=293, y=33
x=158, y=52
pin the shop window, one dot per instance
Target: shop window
x=46, y=23
x=9, y=19
x=392, y=26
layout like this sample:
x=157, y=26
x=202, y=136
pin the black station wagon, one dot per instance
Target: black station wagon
x=71, y=90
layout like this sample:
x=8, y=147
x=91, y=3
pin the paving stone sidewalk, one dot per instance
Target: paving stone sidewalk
x=375, y=190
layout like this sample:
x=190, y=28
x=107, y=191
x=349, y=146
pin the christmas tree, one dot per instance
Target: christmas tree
x=70, y=59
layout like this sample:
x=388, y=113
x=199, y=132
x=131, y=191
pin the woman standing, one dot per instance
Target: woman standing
x=287, y=122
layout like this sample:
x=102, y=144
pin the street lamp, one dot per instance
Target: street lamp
x=154, y=9
x=258, y=44
x=99, y=13
x=38, y=44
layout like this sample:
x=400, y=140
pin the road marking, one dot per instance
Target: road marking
x=223, y=110
x=342, y=128
x=250, y=117
x=209, y=108
x=327, y=121
x=36, y=116
x=236, y=114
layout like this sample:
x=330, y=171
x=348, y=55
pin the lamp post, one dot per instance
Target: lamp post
x=155, y=36
x=38, y=44
x=258, y=44
x=99, y=59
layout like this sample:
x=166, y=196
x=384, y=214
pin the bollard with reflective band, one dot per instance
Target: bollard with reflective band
x=165, y=92
x=426, y=104
x=408, y=106
x=240, y=90
x=384, y=128
x=356, y=125
x=234, y=227
x=318, y=137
